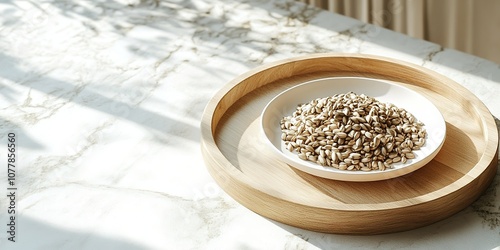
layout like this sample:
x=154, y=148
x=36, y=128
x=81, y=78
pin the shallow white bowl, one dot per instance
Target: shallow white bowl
x=285, y=104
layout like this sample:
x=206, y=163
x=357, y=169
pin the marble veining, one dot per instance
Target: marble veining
x=105, y=99
x=486, y=206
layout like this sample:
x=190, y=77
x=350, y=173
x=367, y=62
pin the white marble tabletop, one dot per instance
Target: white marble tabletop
x=104, y=100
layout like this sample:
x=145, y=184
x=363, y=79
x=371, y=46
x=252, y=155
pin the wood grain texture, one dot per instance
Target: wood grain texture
x=238, y=159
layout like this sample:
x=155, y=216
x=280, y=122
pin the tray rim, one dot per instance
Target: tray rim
x=213, y=155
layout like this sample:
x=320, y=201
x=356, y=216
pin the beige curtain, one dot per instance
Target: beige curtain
x=472, y=26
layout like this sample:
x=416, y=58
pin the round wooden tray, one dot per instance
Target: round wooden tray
x=238, y=159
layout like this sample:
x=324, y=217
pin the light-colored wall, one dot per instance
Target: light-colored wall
x=472, y=26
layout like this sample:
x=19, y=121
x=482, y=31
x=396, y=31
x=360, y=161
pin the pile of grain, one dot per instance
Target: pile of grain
x=352, y=132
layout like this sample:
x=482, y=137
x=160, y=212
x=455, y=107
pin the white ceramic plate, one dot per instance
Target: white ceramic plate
x=285, y=104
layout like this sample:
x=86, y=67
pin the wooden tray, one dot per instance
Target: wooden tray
x=238, y=159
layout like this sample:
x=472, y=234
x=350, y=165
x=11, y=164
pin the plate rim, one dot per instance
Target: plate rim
x=345, y=175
